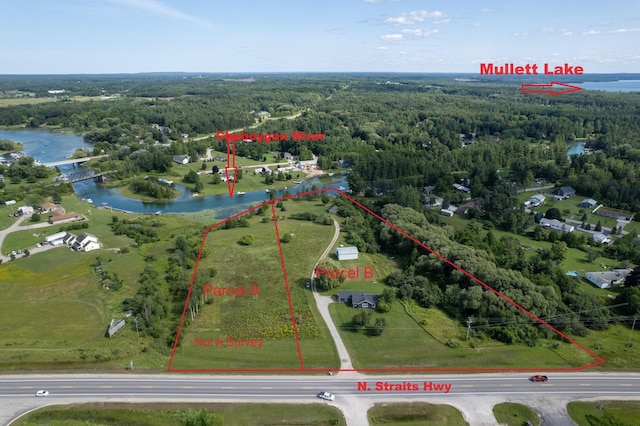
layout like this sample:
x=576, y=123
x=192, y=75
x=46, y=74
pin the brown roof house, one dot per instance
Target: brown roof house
x=58, y=216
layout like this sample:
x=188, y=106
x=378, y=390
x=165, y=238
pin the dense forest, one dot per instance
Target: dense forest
x=397, y=134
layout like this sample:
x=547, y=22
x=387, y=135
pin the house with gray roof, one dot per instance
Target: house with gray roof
x=358, y=299
x=608, y=279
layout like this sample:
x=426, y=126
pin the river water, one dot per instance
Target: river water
x=46, y=146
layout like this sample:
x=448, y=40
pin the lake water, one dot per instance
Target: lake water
x=46, y=146
x=612, y=86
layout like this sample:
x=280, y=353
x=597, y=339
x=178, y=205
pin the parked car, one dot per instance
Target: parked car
x=538, y=378
x=327, y=396
x=42, y=393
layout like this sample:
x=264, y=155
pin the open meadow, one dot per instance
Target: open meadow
x=264, y=317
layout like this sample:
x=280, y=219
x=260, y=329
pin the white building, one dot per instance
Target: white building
x=347, y=253
x=25, y=210
x=608, y=278
x=446, y=212
x=86, y=242
x=535, y=201
x=601, y=238
x=55, y=239
x=556, y=225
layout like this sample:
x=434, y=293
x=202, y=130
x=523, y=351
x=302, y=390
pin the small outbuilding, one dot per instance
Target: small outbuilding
x=347, y=253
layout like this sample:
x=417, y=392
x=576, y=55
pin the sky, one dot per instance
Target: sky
x=248, y=36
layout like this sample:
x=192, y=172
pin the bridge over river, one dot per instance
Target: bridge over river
x=72, y=161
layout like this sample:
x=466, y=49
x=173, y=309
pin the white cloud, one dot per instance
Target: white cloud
x=442, y=21
x=157, y=8
x=591, y=32
x=382, y=48
x=626, y=30
x=520, y=34
x=420, y=33
x=567, y=33
x=413, y=17
x=393, y=37
x=487, y=10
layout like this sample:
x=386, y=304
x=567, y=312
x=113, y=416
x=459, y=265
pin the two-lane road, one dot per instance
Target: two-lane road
x=17, y=393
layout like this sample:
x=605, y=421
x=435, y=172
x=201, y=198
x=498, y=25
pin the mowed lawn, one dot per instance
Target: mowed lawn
x=406, y=344
x=265, y=317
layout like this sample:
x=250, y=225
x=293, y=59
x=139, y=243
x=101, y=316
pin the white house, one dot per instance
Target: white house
x=601, y=238
x=9, y=203
x=55, y=239
x=347, y=253
x=181, y=159
x=86, y=242
x=556, y=225
x=446, y=212
x=25, y=210
x=535, y=201
x=608, y=278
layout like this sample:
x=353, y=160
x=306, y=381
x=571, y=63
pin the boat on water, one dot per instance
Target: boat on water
x=241, y=192
x=267, y=191
x=89, y=200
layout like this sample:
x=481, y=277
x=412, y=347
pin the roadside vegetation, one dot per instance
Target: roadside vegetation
x=415, y=414
x=167, y=414
x=603, y=413
x=512, y=414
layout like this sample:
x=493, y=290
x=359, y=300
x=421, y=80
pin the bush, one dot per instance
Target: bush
x=452, y=343
x=286, y=238
x=246, y=240
x=36, y=217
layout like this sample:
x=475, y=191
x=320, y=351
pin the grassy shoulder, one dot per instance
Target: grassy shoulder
x=620, y=413
x=415, y=414
x=181, y=414
x=512, y=414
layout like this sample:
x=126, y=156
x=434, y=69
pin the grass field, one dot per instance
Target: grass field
x=5, y=102
x=55, y=312
x=266, y=317
x=512, y=414
x=415, y=414
x=619, y=413
x=392, y=350
x=176, y=414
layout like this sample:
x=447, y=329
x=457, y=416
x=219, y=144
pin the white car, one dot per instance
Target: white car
x=42, y=393
x=327, y=396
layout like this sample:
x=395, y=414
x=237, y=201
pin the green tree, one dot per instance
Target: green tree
x=361, y=320
x=378, y=327
x=199, y=186
x=216, y=179
x=598, y=227
x=553, y=213
x=36, y=217
x=558, y=250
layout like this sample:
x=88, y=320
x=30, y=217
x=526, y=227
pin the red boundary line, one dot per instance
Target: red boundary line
x=286, y=283
x=599, y=359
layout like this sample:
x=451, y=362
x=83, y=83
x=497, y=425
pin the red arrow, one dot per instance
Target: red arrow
x=548, y=88
x=231, y=164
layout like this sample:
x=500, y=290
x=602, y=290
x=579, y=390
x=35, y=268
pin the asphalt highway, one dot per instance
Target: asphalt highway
x=17, y=393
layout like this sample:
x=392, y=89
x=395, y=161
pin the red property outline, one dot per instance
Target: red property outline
x=599, y=359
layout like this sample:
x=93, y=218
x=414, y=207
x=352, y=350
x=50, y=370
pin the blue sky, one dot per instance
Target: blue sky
x=112, y=36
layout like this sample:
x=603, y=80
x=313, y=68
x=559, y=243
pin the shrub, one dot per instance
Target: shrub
x=286, y=238
x=246, y=240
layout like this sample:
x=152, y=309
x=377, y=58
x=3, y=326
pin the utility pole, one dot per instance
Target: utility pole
x=632, y=327
x=469, y=322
